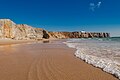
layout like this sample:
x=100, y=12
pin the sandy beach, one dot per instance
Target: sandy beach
x=10, y=41
x=46, y=61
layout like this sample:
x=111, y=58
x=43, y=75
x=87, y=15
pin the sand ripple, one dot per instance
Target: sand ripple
x=51, y=61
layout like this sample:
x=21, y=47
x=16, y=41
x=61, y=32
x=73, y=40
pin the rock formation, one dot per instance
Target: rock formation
x=63, y=35
x=6, y=28
x=28, y=32
x=10, y=30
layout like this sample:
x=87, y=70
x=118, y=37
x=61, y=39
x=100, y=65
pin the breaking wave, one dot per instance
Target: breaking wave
x=100, y=52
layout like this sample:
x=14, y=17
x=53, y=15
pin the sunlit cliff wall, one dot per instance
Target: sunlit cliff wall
x=62, y=35
x=10, y=30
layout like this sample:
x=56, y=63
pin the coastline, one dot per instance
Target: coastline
x=105, y=64
x=30, y=41
x=50, y=61
x=11, y=42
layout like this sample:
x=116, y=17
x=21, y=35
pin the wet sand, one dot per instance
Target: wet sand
x=10, y=41
x=46, y=61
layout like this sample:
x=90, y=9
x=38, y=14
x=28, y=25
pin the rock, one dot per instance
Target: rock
x=28, y=32
x=63, y=35
x=46, y=34
x=8, y=29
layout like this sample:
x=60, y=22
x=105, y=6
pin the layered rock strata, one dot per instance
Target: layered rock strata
x=8, y=29
x=63, y=35
x=11, y=30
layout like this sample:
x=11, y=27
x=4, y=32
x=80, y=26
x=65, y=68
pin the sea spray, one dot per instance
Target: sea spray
x=100, y=60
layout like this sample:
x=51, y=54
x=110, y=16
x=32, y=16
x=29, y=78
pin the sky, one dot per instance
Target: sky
x=65, y=15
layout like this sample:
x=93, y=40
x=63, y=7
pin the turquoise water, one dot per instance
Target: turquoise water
x=102, y=47
x=109, y=39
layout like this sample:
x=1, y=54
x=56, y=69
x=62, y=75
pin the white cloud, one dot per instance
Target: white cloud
x=93, y=6
x=99, y=4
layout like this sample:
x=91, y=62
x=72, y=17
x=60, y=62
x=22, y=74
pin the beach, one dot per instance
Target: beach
x=10, y=41
x=51, y=60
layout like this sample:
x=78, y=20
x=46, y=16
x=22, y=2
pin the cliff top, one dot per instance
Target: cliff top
x=7, y=20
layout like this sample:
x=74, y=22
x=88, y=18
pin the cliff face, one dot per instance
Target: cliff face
x=8, y=29
x=27, y=32
x=63, y=35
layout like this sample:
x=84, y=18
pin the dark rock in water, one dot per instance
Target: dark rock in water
x=46, y=41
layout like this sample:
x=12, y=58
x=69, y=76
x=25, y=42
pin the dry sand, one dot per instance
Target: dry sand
x=46, y=61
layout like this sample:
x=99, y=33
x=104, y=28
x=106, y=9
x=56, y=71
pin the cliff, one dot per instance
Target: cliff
x=8, y=29
x=63, y=35
x=11, y=30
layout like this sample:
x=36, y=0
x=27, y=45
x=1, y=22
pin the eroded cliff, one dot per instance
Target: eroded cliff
x=8, y=29
x=11, y=30
x=62, y=35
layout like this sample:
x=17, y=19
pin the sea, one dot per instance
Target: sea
x=99, y=52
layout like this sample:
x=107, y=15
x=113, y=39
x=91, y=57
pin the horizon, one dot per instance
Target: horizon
x=65, y=15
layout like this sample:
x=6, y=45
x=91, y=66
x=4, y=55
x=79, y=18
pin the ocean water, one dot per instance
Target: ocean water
x=100, y=52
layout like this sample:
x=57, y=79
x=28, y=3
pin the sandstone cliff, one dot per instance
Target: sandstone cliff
x=63, y=35
x=10, y=30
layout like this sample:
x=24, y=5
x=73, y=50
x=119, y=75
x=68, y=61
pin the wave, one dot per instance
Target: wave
x=105, y=62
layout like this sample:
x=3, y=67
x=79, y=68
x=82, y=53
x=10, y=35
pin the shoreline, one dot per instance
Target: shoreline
x=105, y=65
x=12, y=42
x=46, y=61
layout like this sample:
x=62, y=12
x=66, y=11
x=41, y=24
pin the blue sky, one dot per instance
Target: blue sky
x=65, y=15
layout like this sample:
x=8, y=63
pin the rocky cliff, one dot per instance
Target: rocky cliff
x=10, y=30
x=62, y=35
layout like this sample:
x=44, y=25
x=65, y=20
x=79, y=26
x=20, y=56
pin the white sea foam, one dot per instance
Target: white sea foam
x=99, y=53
